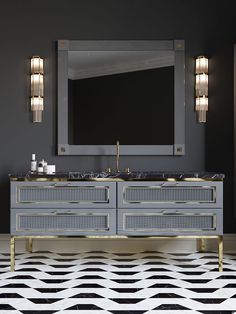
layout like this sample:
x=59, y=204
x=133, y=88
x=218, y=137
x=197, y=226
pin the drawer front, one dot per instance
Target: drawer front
x=167, y=222
x=166, y=194
x=69, y=194
x=63, y=222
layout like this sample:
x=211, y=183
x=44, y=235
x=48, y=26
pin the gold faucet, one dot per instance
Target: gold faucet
x=109, y=170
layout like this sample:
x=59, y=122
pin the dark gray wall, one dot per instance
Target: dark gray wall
x=28, y=28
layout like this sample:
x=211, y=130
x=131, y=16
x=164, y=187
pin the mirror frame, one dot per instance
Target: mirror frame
x=176, y=46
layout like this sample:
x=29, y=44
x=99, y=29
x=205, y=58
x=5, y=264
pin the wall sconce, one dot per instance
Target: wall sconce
x=37, y=93
x=201, y=88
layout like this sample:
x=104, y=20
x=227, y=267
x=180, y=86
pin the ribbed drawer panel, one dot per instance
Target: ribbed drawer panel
x=184, y=222
x=62, y=194
x=171, y=194
x=54, y=223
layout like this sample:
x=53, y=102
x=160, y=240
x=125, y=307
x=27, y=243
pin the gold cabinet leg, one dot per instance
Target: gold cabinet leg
x=30, y=245
x=220, y=252
x=12, y=252
x=202, y=245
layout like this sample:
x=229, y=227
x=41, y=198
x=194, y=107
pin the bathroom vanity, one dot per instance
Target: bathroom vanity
x=146, y=204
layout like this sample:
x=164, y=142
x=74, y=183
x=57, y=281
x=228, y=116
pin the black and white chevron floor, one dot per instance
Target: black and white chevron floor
x=122, y=283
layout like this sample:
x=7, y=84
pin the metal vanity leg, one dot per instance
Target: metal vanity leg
x=12, y=252
x=220, y=252
x=30, y=244
x=202, y=245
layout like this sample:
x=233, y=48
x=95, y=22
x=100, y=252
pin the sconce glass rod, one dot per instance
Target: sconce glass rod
x=37, y=88
x=201, y=88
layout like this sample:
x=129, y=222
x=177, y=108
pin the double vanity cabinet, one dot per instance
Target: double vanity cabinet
x=101, y=204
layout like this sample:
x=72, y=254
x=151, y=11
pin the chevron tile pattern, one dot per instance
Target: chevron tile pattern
x=117, y=283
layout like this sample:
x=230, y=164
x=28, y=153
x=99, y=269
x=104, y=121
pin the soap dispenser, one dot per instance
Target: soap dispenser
x=42, y=166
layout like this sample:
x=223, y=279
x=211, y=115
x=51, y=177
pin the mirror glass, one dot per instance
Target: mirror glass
x=119, y=91
x=121, y=95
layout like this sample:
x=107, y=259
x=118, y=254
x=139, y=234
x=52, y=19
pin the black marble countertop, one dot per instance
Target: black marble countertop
x=119, y=176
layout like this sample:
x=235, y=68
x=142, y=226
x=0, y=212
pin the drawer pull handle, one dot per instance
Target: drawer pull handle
x=169, y=184
x=60, y=184
x=67, y=213
x=171, y=213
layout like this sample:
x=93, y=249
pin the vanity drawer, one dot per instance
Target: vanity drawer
x=170, y=194
x=63, y=222
x=63, y=194
x=169, y=222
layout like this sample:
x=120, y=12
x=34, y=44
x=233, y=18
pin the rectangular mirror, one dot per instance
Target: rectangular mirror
x=131, y=91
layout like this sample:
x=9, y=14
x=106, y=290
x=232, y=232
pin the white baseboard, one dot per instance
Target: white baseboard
x=74, y=245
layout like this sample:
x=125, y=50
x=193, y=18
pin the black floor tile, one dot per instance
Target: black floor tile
x=90, y=277
x=49, y=290
x=125, y=281
x=128, y=312
x=171, y=307
x=126, y=290
x=89, y=285
x=203, y=290
x=210, y=301
x=38, y=312
x=166, y=295
x=10, y=295
x=54, y=281
x=86, y=295
x=84, y=307
x=15, y=285
x=6, y=307
x=126, y=300
x=124, y=273
x=43, y=301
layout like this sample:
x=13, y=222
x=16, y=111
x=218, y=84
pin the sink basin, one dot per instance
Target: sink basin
x=102, y=176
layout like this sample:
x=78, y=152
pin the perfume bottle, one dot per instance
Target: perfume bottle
x=33, y=164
